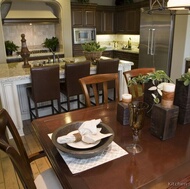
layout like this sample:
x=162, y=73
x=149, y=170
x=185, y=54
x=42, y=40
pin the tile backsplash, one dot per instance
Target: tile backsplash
x=118, y=41
x=34, y=34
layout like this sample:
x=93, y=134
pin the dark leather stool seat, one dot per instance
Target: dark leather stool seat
x=71, y=86
x=45, y=87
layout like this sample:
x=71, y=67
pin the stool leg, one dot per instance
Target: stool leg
x=52, y=107
x=29, y=105
x=59, y=106
x=36, y=110
x=68, y=103
x=78, y=101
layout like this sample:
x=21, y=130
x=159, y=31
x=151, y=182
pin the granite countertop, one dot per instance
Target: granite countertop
x=10, y=70
x=133, y=50
x=34, y=55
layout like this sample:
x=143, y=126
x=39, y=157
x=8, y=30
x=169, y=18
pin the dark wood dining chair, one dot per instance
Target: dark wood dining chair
x=94, y=80
x=45, y=87
x=70, y=87
x=138, y=89
x=21, y=161
x=107, y=66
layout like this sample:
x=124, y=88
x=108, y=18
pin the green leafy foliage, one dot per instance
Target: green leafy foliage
x=92, y=46
x=9, y=45
x=185, y=78
x=156, y=77
x=51, y=43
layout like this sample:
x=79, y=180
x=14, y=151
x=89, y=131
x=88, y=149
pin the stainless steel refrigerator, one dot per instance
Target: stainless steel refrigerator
x=156, y=39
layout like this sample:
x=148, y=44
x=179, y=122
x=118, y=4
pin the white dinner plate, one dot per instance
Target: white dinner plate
x=81, y=144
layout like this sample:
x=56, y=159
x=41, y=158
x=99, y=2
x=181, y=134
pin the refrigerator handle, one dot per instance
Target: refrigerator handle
x=152, y=48
x=149, y=34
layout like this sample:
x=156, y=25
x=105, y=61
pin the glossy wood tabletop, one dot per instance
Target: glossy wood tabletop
x=159, y=165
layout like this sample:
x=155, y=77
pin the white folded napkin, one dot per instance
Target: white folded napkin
x=87, y=132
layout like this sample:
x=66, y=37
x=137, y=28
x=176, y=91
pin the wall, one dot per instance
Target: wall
x=181, y=45
x=36, y=34
x=2, y=50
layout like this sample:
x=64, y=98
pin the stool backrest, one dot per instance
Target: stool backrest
x=103, y=79
x=107, y=66
x=72, y=74
x=45, y=83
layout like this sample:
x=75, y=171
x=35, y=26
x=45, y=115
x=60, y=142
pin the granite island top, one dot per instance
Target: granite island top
x=15, y=70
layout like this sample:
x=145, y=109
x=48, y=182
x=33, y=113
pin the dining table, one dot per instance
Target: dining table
x=161, y=164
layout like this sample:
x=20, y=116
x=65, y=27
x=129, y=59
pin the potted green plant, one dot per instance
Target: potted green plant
x=10, y=47
x=182, y=98
x=153, y=85
x=92, y=51
x=51, y=43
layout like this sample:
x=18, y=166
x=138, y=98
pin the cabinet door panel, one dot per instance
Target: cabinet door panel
x=89, y=18
x=108, y=22
x=132, y=21
x=99, y=22
x=77, y=18
x=120, y=21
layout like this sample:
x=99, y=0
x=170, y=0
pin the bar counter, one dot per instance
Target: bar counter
x=14, y=79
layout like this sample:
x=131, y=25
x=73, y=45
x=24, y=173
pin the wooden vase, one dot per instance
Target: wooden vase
x=182, y=99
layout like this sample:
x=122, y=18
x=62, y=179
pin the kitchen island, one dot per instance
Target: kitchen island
x=14, y=79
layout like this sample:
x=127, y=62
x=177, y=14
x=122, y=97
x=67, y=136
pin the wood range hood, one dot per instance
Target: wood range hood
x=28, y=12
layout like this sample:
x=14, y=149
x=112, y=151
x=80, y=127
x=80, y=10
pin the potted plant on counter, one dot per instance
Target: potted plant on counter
x=10, y=47
x=51, y=43
x=92, y=51
x=182, y=98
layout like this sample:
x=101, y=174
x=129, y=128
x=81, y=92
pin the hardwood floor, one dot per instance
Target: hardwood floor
x=8, y=177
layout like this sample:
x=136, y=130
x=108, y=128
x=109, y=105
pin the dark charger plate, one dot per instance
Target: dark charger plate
x=82, y=153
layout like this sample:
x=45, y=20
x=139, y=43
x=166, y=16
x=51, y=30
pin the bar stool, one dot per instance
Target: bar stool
x=107, y=66
x=71, y=86
x=45, y=87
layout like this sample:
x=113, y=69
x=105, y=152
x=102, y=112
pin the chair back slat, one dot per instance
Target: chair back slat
x=93, y=80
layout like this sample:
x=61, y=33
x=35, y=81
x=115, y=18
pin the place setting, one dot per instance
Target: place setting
x=86, y=144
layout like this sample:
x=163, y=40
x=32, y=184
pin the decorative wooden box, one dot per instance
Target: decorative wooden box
x=123, y=113
x=164, y=121
x=182, y=99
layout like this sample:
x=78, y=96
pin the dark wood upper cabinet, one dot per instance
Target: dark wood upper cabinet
x=83, y=15
x=127, y=18
x=105, y=19
x=127, y=21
